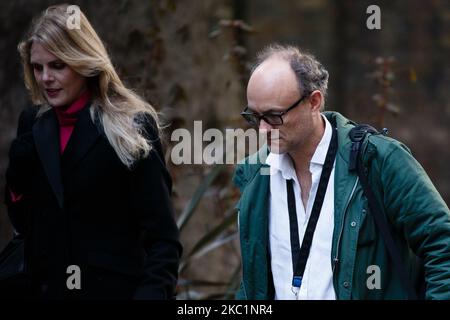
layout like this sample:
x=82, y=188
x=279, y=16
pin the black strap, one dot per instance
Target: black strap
x=300, y=254
x=357, y=135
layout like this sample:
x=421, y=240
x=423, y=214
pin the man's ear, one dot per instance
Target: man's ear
x=316, y=99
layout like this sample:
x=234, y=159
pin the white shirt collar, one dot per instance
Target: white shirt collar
x=283, y=162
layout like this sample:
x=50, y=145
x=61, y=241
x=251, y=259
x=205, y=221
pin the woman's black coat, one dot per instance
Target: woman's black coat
x=86, y=208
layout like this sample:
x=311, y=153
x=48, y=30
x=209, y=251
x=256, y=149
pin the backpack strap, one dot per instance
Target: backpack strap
x=357, y=136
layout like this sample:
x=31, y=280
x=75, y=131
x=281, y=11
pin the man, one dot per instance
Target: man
x=343, y=255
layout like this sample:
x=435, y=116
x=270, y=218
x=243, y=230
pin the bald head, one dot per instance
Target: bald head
x=309, y=73
x=273, y=83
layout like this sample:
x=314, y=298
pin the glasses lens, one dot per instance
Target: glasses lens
x=250, y=118
x=274, y=120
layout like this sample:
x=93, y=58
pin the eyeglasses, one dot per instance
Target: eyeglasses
x=272, y=118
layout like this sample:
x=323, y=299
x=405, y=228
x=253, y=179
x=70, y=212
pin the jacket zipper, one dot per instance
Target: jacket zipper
x=336, y=258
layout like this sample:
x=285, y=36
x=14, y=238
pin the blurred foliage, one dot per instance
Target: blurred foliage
x=225, y=230
x=384, y=74
x=221, y=234
x=215, y=183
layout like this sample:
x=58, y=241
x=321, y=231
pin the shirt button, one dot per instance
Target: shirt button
x=353, y=224
x=363, y=211
x=346, y=284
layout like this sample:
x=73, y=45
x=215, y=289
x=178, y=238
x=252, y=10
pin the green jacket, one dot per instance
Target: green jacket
x=418, y=215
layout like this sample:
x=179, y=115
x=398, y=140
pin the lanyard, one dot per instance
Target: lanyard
x=300, y=254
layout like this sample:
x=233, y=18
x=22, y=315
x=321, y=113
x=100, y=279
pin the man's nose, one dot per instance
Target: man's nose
x=264, y=126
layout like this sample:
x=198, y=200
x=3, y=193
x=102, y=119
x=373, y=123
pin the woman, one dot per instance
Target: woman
x=87, y=184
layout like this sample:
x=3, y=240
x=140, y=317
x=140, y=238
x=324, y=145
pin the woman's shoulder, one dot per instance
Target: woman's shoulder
x=27, y=118
x=150, y=130
x=29, y=112
x=148, y=125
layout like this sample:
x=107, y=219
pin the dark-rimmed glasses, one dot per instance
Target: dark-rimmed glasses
x=272, y=117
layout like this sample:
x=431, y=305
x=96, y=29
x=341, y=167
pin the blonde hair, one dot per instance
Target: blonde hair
x=81, y=49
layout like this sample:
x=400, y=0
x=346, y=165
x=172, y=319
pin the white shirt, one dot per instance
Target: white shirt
x=317, y=280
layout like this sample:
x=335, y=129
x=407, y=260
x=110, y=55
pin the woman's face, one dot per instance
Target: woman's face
x=60, y=84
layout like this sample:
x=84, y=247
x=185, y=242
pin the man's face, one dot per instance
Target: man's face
x=273, y=87
x=60, y=84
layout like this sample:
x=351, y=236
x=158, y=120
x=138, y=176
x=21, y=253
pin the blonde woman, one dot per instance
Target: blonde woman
x=87, y=184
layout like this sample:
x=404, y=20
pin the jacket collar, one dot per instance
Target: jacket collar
x=344, y=181
x=46, y=137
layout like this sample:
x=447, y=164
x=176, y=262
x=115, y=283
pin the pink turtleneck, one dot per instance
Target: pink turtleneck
x=67, y=117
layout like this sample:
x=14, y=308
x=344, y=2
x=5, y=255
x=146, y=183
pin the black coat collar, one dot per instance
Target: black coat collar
x=83, y=137
x=46, y=137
